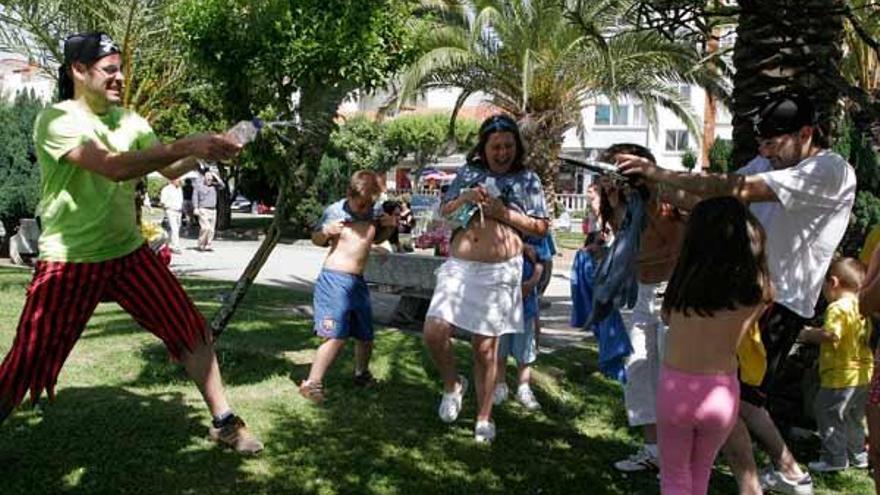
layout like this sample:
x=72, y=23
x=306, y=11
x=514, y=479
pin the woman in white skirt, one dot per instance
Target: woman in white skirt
x=495, y=202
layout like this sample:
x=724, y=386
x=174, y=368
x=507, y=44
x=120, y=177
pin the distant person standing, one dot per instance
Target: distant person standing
x=171, y=198
x=205, y=206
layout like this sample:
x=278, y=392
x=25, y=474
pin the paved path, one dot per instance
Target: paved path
x=297, y=266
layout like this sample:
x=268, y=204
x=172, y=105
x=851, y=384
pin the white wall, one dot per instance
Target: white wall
x=14, y=77
x=599, y=135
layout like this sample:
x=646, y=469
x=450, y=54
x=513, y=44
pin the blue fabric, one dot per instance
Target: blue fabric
x=544, y=246
x=614, y=346
x=610, y=333
x=342, y=306
x=530, y=302
x=583, y=274
x=340, y=211
x=521, y=346
x=521, y=190
x=616, y=284
x=550, y=244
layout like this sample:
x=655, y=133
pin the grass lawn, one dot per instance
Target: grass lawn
x=126, y=420
x=569, y=240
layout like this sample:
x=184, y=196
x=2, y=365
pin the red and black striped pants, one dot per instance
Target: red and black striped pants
x=63, y=296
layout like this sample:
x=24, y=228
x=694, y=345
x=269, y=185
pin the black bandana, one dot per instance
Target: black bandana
x=88, y=47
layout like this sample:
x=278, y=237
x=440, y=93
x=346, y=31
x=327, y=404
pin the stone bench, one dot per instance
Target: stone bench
x=409, y=275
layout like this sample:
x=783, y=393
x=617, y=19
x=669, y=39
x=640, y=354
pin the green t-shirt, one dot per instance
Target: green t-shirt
x=86, y=217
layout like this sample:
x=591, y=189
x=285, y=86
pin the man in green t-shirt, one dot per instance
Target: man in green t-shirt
x=91, y=153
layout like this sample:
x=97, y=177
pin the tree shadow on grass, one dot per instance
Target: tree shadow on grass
x=238, y=366
x=389, y=439
x=109, y=440
x=261, y=349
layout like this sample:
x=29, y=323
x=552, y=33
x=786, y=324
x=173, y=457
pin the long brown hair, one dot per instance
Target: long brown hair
x=723, y=263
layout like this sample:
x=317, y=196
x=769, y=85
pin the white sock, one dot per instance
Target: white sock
x=652, y=449
x=523, y=386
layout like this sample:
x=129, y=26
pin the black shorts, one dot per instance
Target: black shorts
x=779, y=328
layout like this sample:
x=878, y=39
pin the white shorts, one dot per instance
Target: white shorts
x=480, y=298
x=647, y=336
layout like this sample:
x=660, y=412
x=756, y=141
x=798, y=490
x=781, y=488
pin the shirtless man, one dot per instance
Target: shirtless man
x=495, y=201
x=342, y=300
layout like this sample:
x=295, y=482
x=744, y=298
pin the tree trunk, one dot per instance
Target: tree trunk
x=785, y=44
x=710, y=107
x=224, y=208
x=543, y=142
x=317, y=112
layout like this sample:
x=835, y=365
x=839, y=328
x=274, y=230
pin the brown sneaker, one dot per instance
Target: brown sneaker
x=313, y=391
x=236, y=435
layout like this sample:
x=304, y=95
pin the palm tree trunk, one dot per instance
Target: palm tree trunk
x=785, y=44
x=543, y=142
x=317, y=110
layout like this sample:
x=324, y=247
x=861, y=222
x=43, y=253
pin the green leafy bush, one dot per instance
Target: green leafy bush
x=720, y=156
x=689, y=160
x=19, y=175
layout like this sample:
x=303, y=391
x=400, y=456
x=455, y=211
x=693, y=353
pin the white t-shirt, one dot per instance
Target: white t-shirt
x=805, y=227
x=764, y=211
x=171, y=197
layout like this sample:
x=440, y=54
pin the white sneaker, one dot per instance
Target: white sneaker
x=526, y=397
x=450, y=406
x=824, y=467
x=859, y=461
x=484, y=432
x=774, y=481
x=642, y=460
x=500, y=394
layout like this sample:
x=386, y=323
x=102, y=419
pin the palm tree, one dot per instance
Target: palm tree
x=861, y=67
x=542, y=61
x=153, y=64
x=786, y=44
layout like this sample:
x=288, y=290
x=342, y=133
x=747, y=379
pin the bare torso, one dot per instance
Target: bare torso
x=488, y=241
x=349, y=252
x=697, y=344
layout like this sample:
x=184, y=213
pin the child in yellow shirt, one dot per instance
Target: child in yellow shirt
x=845, y=367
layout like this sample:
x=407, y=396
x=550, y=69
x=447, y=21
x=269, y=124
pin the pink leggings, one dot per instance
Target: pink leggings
x=695, y=414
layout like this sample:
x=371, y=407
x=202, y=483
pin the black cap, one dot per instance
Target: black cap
x=88, y=47
x=783, y=114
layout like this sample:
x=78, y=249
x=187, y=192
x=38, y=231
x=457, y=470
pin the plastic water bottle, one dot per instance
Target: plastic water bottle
x=245, y=131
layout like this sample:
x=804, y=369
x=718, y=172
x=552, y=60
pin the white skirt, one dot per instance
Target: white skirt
x=480, y=298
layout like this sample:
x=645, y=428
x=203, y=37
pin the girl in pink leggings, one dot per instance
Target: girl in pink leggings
x=717, y=292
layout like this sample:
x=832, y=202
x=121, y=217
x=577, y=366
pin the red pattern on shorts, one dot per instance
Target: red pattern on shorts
x=62, y=297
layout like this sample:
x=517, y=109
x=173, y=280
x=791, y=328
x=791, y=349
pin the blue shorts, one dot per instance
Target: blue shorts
x=521, y=346
x=342, y=306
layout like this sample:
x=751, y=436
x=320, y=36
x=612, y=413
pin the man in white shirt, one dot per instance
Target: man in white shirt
x=810, y=191
x=171, y=198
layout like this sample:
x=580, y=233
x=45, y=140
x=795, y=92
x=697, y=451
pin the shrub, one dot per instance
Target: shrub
x=19, y=176
x=719, y=156
x=689, y=160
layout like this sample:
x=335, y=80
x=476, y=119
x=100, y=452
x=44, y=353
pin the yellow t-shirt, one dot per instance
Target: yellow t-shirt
x=752, y=357
x=871, y=242
x=849, y=362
